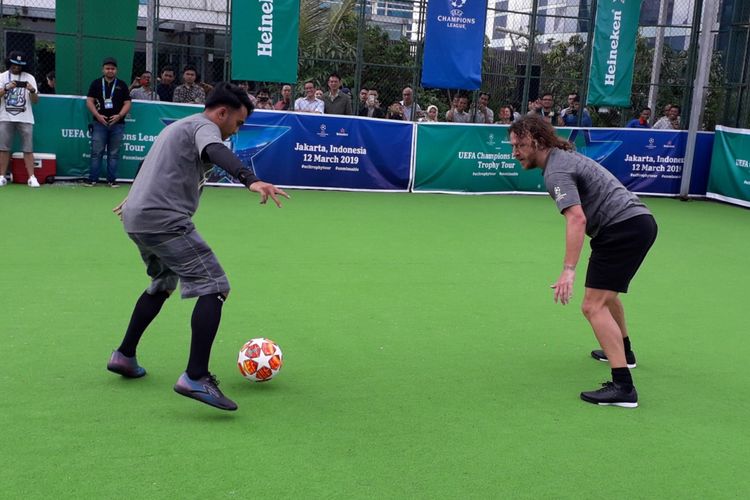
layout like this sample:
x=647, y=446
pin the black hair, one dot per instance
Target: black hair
x=264, y=90
x=228, y=94
x=484, y=93
x=168, y=68
x=190, y=67
x=335, y=75
x=50, y=75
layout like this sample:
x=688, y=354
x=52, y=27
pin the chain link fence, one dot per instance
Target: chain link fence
x=531, y=47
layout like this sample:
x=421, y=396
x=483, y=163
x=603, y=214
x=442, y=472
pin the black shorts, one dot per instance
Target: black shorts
x=618, y=251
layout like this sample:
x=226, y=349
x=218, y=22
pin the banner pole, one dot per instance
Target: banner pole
x=710, y=11
x=529, y=57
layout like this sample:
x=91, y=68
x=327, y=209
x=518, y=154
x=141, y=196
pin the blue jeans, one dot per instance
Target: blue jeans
x=105, y=137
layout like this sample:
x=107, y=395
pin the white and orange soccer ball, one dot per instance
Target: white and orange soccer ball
x=260, y=360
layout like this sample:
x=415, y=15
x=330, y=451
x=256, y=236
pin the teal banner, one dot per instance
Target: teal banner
x=87, y=32
x=729, y=177
x=613, y=53
x=63, y=129
x=265, y=39
x=471, y=159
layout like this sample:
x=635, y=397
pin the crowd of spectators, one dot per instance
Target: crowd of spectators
x=109, y=100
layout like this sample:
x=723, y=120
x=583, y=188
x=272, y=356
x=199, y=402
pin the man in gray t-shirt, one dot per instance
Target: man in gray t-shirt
x=157, y=215
x=621, y=229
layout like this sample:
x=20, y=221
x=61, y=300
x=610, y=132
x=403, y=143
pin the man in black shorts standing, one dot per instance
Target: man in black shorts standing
x=621, y=229
x=157, y=215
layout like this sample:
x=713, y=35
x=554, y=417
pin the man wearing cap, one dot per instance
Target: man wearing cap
x=18, y=92
x=108, y=100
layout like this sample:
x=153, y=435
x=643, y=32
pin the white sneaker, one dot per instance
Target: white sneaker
x=3, y=181
x=33, y=183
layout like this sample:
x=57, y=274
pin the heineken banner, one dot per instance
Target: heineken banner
x=265, y=36
x=730, y=166
x=289, y=149
x=454, y=40
x=478, y=159
x=613, y=53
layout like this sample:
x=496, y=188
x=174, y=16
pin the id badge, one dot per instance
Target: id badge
x=108, y=104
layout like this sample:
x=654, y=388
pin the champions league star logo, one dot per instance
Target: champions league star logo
x=322, y=132
x=457, y=4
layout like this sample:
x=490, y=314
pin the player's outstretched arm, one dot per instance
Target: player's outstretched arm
x=267, y=190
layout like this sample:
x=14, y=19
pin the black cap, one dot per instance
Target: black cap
x=18, y=58
x=109, y=60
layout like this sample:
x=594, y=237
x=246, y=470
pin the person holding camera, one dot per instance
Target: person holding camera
x=18, y=91
x=570, y=118
x=108, y=100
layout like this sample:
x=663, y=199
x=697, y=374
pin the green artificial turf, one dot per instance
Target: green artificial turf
x=424, y=356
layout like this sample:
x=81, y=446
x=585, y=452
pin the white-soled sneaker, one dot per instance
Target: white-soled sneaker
x=3, y=181
x=32, y=182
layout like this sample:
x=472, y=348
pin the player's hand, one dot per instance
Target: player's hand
x=265, y=190
x=118, y=209
x=564, y=287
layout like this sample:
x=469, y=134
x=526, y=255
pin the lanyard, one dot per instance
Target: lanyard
x=112, y=93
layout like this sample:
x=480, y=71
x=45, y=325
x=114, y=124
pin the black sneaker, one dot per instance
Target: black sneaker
x=113, y=184
x=600, y=356
x=612, y=394
x=125, y=366
x=206, y=390
x=88, y=183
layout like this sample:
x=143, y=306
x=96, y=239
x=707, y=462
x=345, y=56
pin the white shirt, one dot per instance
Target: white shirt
x=15, y=105
x=309, y=106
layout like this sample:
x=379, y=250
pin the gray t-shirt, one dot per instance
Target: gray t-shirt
x=166, y=191
x=574, y=179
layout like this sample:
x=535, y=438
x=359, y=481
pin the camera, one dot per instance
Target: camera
x=20, y=83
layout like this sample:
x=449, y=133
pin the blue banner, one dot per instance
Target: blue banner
x=453, y=45
x=646, y=161
x=314, y=151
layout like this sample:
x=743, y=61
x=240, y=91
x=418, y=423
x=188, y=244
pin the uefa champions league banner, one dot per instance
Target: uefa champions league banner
x=453, y=44
x=452, y=158
x=62, y=128
x=613, y=52
x=289, y=149
x=729, y=179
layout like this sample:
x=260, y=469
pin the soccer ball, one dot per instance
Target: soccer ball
x=260, y=360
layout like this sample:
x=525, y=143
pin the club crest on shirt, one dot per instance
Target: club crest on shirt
x=559, y=196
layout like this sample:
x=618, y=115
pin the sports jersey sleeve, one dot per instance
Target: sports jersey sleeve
x=561, y=186
x=205, y=134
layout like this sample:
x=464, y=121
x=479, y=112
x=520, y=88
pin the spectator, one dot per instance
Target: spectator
x=285, y=104
x=336, y=102
x=319, y=94
x=571, y=97
x=642, y=120
x=411, y=108
x=671, y=120
x=48, y=86
x=309, y=103
x=144, y=92
x=264, y=99
x=546, y=108
x=505, y=115
x=483, y=113
x=570, y=119
x=363, y=95
x=459, y=113
x=189, y=91
x=431, y=116
x=166, y=86
x=17, y=94
x=245, y=85
x=108, y=101
x=395, y=111
x=372, y=106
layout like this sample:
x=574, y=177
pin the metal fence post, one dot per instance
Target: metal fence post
x=589, y=50
x=529, y=56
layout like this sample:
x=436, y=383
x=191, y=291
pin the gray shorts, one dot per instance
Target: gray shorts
x=8, y=131
x=186, y=258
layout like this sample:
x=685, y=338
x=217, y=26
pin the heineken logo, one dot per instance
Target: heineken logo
x=614, y=44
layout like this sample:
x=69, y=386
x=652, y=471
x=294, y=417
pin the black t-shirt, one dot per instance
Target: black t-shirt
x=166, y=92
x=102, y=90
